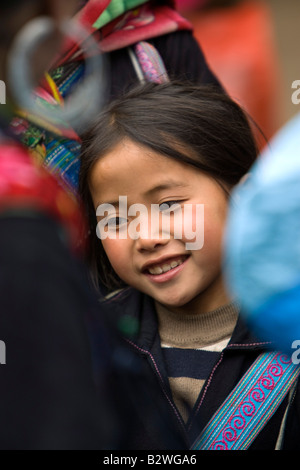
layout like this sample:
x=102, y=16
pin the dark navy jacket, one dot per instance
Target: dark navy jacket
x=154, y=421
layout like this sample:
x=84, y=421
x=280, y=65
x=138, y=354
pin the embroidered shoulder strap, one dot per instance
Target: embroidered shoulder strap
x=250, y=405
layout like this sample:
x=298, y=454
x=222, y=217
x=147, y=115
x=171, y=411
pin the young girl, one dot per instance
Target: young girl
x=154, y=163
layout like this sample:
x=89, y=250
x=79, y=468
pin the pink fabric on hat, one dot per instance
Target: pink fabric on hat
x=139, y=24
x=183, y=5
x=146, y=22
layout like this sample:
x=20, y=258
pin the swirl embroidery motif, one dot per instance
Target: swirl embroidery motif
x=254, y=400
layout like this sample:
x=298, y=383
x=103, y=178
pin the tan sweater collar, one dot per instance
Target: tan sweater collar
x=190, y=330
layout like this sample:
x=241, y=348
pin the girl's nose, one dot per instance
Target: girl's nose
x=152, y=233
x=150, y=243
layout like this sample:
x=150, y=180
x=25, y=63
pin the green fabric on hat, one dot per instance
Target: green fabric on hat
x=116, y=8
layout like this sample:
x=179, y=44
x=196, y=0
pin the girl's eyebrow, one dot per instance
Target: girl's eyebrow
x=112, y=203
x=170, y=184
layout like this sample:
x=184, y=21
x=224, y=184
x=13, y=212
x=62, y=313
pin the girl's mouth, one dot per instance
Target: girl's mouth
x=166, y=270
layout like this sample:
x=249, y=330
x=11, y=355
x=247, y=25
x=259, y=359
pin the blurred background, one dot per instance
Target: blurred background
x=254, y=48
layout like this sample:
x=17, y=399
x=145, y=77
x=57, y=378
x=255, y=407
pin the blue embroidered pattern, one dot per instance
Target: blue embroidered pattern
x=253, y=401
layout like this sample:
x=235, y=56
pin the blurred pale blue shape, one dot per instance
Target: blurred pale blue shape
x=262, y=241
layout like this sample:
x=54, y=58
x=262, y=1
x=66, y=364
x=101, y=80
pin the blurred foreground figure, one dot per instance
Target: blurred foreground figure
x=48, y=398
x=263, y=248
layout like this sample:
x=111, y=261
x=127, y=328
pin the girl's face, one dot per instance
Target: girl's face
x=180, y=267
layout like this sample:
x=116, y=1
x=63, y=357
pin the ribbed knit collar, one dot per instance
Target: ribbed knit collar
x=190, y=330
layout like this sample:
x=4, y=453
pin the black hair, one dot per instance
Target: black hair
x=196, y=124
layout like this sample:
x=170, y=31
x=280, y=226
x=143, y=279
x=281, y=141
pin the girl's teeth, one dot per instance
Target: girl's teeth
x=156, y=270
x=165, y=267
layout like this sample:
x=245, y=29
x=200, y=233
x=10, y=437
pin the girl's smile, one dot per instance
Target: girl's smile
x=158, y=266
x=166, y=269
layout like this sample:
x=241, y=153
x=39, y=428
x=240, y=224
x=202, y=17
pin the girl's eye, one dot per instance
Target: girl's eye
x=115, y=222
x=168, y=206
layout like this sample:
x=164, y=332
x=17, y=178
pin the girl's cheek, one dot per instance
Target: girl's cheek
x=112, y=249
x=193, y=226
x=118, y=254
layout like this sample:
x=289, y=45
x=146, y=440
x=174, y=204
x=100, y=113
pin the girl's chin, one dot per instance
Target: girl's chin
x=172, y=297
x=169, y=302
